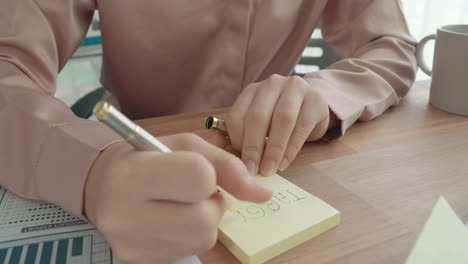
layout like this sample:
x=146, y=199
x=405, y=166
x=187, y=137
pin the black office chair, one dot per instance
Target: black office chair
x=84, y=106
x=327, y=57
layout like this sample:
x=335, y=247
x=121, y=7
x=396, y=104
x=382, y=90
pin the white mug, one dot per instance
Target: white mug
x=449, y=86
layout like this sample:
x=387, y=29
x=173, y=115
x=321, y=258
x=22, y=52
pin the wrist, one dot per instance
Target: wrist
x=96, y=171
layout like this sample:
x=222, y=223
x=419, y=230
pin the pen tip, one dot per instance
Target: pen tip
x=233, y=209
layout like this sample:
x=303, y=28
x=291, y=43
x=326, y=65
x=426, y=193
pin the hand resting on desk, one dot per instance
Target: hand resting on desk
x=288, y=110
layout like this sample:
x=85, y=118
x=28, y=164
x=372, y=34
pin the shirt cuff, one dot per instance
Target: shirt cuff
x=65, y=161
x=346, y=110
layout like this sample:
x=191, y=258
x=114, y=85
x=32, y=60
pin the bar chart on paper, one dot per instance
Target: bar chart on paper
x=77, y=247
x=65, y=250
x=35, y=232
x=23, y=218
x=38, y=232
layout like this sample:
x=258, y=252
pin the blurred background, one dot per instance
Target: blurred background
x=81, y=74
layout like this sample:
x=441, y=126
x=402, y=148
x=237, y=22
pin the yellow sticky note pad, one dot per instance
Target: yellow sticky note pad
x=259, y=232
x=444, y=238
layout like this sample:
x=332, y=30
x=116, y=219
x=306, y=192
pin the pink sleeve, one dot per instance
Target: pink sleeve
x=378, y=63
x=45, y=151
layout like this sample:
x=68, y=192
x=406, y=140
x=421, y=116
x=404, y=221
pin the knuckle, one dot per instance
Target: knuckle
x=295, y=79
x=228, y=160
x=208, y=241
x=234, y=124
x=298, y=83
x=188, y=140
x=284, y=117
x=324, y=107
x=320, y=130
x=275, y=150
x=256, y=117
x=316, y=99
x=206, y=226
x=302, y=130
x=293, y=149
x=275, y=77
x=250, y=88
x=319, y=103
x=234, y=120
x=204, y=221
x=325, y=117
x=251, y=152
x=315, y=136
x=204, y=182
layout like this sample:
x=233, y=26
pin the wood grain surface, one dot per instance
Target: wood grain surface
x=384, y=176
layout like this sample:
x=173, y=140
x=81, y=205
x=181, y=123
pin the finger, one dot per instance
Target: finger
x=232, y=150
x=257, y=122
x=178, y=228
x=178, y=176
x=283, y=122
x=236, y=116
x=319, y=130
x=213, y=137
x=310, y=115
x=231, y=173
x=218, y=140
x=188, y=221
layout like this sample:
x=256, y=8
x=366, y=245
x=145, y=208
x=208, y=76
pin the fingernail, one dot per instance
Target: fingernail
x=268, y=167
x=283, y=165
x=230, y=200
x=251, y=167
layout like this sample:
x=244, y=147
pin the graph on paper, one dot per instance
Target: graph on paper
x=21, y=218
x=39, y=232
x=35, y=232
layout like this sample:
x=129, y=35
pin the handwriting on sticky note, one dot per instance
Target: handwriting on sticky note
x=259, y=232
x=279, y=200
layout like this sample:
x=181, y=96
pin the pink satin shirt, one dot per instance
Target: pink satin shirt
x=164, y=57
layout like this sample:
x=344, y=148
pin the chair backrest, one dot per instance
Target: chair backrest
x=84, y=106
x=316, y=56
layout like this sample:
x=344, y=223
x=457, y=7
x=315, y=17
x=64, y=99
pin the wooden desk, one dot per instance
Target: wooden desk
x=384, y=176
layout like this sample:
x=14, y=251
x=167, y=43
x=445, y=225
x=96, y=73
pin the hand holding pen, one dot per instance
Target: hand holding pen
x=147, y=200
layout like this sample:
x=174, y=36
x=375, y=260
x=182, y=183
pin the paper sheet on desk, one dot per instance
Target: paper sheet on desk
x=444, y=238
x=31, y=231
x=186, y=260
x=259, y=232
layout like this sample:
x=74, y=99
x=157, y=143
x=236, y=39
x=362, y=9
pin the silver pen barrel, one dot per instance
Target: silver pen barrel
x=134, y=134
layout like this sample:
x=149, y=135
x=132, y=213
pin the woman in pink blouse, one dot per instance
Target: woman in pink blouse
x=166, y=57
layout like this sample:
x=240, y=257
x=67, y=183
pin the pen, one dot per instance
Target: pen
x=218, y=124
x=136, y=136
x=139, y=138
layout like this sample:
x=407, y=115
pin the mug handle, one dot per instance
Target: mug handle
x=420, y=54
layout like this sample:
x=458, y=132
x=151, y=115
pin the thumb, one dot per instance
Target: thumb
x=231, y=173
